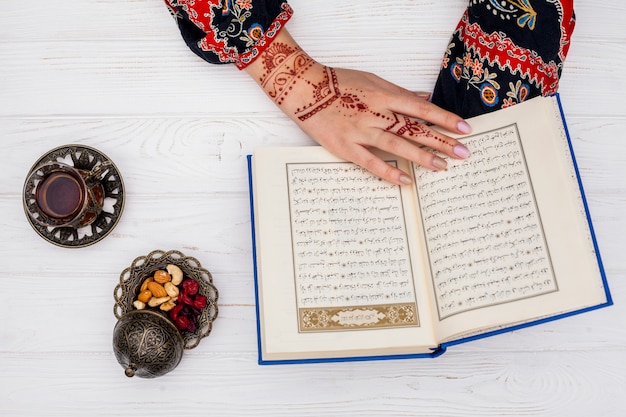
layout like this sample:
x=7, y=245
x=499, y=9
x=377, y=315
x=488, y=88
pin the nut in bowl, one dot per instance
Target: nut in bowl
x=173, y=285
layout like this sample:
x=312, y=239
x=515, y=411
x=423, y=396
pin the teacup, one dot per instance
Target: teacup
x=65, y=196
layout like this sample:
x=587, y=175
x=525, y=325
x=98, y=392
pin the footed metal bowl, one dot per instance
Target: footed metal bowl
x=146, y=342
x=144, y=266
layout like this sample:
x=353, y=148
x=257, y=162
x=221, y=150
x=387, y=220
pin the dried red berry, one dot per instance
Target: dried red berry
x=192, y=312
x=192, y=326
x=190, y=287
x=182, y=322
x=176, y=311
x=185, y=298
x=199, y=302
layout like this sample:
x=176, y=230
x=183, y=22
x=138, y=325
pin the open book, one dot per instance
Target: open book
x=350, y=267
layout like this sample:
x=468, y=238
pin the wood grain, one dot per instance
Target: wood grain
x=462, y=384
x=116, y=76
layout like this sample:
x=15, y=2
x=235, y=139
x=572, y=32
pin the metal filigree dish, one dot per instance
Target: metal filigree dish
x=126, y=291
x=85, y=158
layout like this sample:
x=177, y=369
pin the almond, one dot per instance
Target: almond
x=144, y=296
x=162, y=276
x=157, y=289
x=144, y=285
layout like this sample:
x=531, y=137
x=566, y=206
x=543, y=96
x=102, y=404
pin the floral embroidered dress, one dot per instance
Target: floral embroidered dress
x=504, y=52
x=229, y=31
x=501, y=53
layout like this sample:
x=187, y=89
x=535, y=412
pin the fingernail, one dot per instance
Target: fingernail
x=424, y=95
x=461, y=151
x=439, y=163
x=464, y=127
x=405, y=179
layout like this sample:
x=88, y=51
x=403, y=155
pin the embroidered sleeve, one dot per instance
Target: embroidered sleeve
x=504, y=52
x=229, y=31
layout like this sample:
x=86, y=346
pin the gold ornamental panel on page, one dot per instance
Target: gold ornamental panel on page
x=366, y=317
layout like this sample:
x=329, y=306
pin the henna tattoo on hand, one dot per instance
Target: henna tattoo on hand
x=284, y=66
x=411, y=128
x=324, y=94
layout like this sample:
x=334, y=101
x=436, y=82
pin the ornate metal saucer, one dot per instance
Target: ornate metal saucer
x=144, y=266
x=81, y=157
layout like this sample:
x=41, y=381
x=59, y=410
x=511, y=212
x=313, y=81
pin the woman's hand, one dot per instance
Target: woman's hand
x=350, y=112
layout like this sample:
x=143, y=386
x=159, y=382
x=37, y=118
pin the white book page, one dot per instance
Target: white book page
x=508, y=239
x=336, y=276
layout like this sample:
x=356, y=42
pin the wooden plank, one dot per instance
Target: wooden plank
x=117, y=76
x=112, y=78
x=226, y=384
x=149, y=20
x=206, y=154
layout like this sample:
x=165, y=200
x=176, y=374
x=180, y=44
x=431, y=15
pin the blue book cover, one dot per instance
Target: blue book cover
x=344, y=271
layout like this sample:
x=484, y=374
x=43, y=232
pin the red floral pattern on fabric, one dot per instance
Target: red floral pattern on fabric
x=504, y=52
x=501, y=51
x=233, y=30
x=263, y=43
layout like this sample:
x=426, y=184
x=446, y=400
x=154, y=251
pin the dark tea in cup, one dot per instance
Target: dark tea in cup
x=60, y=195
x=64, y=196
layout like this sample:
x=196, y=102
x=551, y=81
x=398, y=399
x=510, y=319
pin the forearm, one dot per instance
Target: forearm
x=348, y=112
x=291, y=78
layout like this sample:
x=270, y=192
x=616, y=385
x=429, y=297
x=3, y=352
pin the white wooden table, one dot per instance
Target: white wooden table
x=115, y=75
